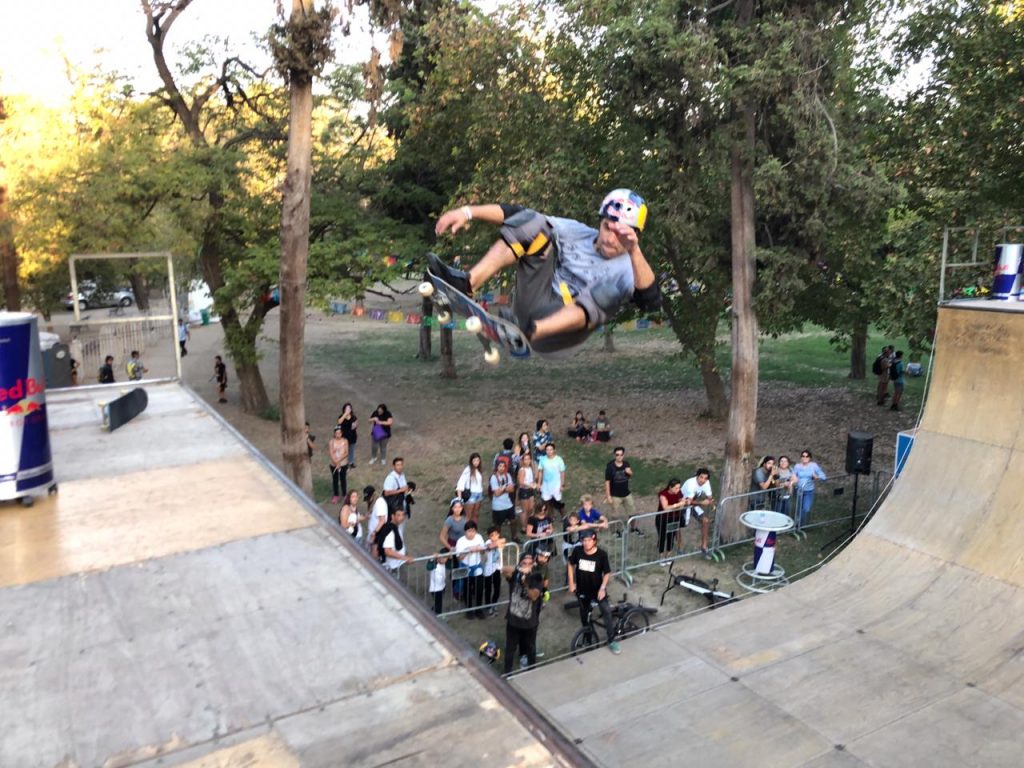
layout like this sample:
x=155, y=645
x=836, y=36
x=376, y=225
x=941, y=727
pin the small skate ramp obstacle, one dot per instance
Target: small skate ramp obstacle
x=906, y=650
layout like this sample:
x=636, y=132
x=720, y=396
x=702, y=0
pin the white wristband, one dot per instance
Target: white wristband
x=467, y=213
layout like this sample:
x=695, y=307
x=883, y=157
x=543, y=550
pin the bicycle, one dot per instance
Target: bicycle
x=628, y=620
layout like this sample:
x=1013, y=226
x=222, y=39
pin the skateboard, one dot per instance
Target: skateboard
x=117, y=413
x=493, y=332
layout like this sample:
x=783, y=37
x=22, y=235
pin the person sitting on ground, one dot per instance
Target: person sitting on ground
x=570, y=278
x=602, y=428
x=579, y=429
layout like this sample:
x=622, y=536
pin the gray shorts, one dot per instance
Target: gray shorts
x=535, y=295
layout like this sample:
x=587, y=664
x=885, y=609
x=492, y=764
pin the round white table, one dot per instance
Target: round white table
x=763, y=574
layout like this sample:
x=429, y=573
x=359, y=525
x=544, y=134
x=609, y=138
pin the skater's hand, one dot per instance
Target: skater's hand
x=625, y=233
x=451, y=221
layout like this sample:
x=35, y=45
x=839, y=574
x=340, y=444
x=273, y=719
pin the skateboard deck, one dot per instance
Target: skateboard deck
x=493, y=331
x=119, y=412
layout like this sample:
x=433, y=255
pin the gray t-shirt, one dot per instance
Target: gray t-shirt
x=456, y=528
x=585, y=270
x=500, y=501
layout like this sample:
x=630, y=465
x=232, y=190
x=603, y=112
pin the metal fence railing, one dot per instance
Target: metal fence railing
x=658, y=541
x=90, y=344
x=662, y=539
x=425, y=574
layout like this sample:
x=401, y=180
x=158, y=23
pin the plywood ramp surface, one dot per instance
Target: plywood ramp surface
x=98, y=523
x=905, y=650
x=178, y=603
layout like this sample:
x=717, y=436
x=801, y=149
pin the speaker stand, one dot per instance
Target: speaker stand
x=853, y=517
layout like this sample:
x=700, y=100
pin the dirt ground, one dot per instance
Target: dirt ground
x=437, y=425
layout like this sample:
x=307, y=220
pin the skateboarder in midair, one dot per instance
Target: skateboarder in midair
x=570, y=278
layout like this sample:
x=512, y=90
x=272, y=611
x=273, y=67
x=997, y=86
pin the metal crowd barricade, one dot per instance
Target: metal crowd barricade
x=833, y=501
x=735, y=506
x=560, y=547
x=641, y=550
x=417, y=579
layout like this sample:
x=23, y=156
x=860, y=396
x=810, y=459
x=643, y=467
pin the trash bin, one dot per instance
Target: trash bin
x=204, y=315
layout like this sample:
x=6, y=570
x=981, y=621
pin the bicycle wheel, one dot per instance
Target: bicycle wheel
x=584, y=639
x=635, y=622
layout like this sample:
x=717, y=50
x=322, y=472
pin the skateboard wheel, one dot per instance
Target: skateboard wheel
x=492, y=355
x=444, y=317
x=473, y=324
x=426, y=290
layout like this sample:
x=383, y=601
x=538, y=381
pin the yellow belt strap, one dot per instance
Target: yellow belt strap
x=566, y=295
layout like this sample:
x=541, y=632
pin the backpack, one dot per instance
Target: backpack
x=876, y=367
x=382, y=534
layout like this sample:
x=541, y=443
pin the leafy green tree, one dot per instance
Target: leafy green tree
x=953, y=140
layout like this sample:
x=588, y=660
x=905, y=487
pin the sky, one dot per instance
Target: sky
x=36, y=39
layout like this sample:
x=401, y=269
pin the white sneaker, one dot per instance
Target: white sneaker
x=373, y=461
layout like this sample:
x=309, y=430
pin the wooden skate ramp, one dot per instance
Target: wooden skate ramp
x=906, y=650
x=178, y=602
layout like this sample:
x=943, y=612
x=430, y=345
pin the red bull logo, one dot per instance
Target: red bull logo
x=18, y=391
x=25, y=461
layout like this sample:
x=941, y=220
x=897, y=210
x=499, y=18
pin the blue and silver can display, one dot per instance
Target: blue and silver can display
x=1006, y=271
x=26, y=465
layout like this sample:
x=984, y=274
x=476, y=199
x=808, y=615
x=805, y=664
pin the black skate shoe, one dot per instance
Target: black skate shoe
x=456, y=278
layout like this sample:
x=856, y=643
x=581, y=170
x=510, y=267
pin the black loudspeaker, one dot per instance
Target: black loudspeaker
x=858, y=452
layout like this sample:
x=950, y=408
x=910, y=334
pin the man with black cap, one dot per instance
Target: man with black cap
x=523, y=615
x=588, y=573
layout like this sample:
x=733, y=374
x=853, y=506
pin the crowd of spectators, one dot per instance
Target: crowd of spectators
x=523, y=487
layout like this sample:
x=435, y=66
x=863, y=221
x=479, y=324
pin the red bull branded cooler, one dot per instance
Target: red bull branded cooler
x=1007, y=271
x=26, y=466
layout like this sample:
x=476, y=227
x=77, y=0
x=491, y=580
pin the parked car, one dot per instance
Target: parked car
x=89, y=297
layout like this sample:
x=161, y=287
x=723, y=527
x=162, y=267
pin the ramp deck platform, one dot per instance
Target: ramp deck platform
x=179, y=603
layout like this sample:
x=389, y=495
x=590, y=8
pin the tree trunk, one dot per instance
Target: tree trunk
x=447, y=354
x=141, y=290
x=252, y=394
x=714, y=387
x=294, y=259
x=858, y=351
x=609, y=339
x=739, y=445
x=8, y=256
x=428, y=312
x=241, y=342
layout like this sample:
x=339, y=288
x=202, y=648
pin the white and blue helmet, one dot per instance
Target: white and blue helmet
x=626, y=206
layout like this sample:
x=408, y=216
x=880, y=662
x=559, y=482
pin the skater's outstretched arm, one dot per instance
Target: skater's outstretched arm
x=459, y=218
